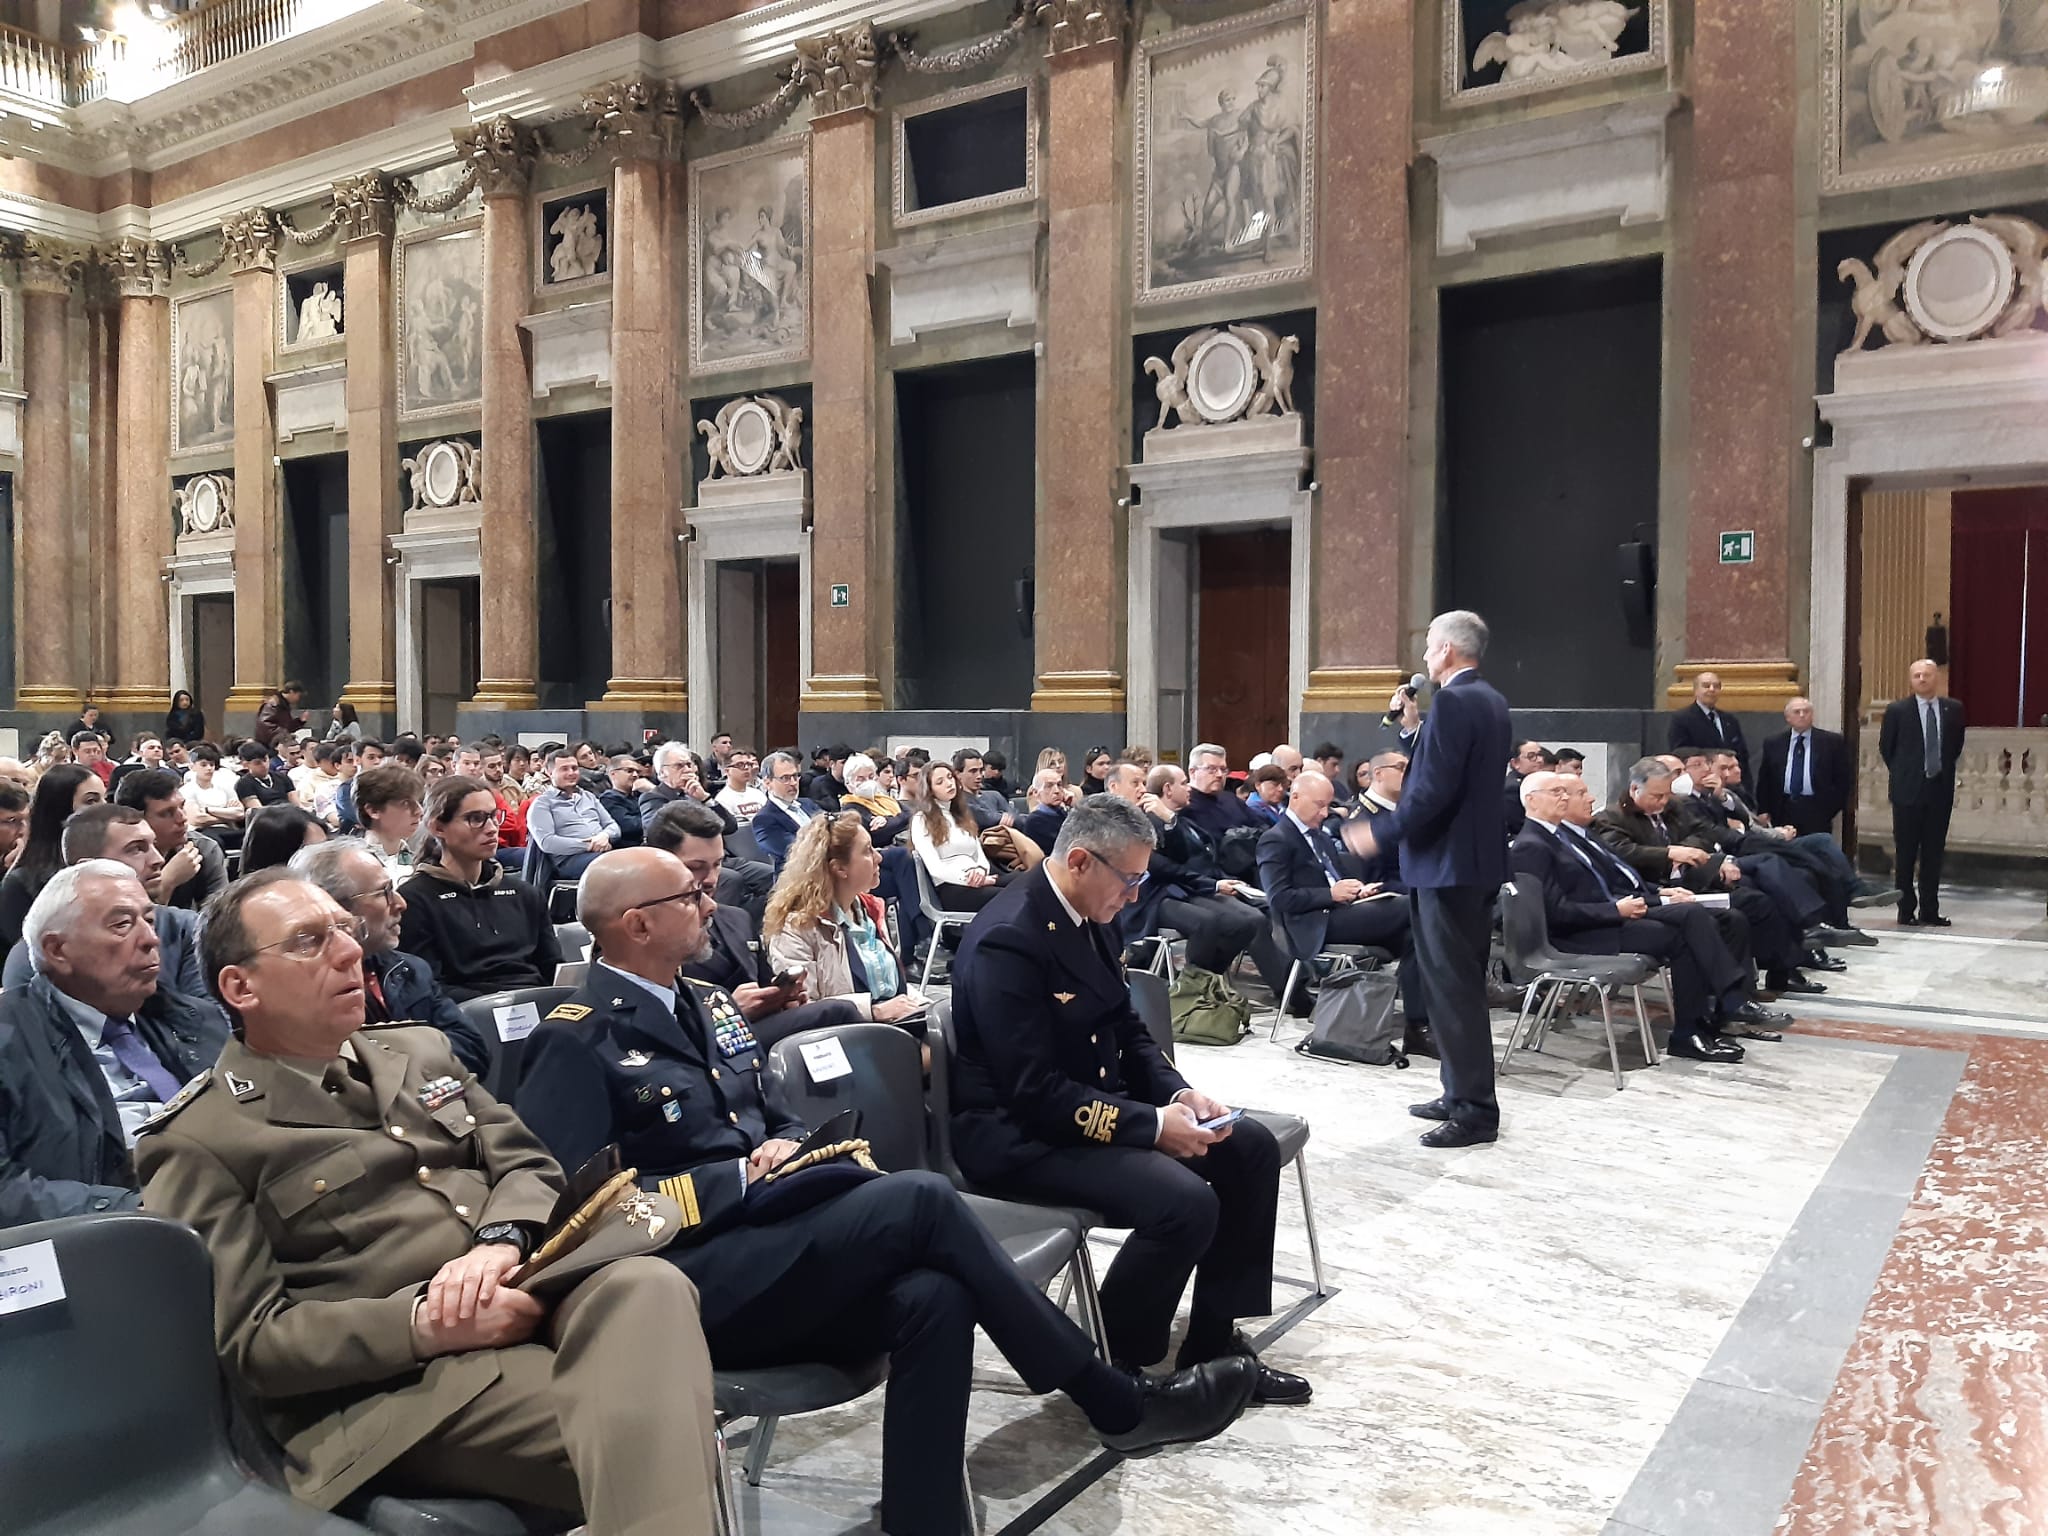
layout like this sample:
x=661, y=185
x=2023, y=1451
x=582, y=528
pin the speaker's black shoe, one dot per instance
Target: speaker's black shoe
x=1935, y=920
x=1189, y=1405
x=1416, y=1040
x=1452, y=1134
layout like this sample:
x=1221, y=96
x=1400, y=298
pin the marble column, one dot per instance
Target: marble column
x=101, y=591
x=1750, y=382
x=251, y=238
x=138, y=677
x=1079, y=620
x=848, y=545
x=642, y=125
x=1363, y=527
x=364, y=216
x=508, y=606
x=51, y=677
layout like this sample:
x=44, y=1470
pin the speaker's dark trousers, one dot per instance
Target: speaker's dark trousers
x=1920, y=841
x=1452, y=930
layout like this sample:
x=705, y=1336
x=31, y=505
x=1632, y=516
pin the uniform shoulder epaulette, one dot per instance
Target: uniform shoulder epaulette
x=179, y=1100
x=571, y=1012
x=702, y=986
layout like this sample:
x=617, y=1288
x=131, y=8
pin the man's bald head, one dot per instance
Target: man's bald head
x=645, y=910
x=1674, y=763
x=1538, y=789
x=1311, y=795
x=618, y=881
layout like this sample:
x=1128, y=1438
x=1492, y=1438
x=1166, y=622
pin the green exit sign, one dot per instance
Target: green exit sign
x=842, y=595
x=1738, y=548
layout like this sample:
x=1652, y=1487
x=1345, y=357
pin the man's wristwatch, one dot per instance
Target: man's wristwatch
x=518, y=1234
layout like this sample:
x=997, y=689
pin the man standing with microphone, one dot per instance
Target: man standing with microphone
x=1453, y=844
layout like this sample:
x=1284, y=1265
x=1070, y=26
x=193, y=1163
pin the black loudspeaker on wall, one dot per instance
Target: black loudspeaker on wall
x=1027, y=601
x=1636, y=566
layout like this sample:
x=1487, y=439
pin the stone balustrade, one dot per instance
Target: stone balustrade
x=2001, y=792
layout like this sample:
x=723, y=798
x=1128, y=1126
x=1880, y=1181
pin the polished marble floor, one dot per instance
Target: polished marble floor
x=1802, y=1294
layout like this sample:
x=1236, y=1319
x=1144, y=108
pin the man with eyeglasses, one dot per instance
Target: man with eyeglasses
x=1061, y=1096
x=1211, y=805
x=777, y=823
x=896, y=1265
x=566, y=822
x=397, y=987
x=364, y=1201
x=13, y=819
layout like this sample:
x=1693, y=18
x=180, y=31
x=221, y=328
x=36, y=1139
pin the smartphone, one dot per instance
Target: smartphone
x=1227, y=1119
x=787, y=979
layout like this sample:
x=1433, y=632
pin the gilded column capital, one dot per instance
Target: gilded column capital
x=637, y=118
x=50, y=266
x=502, y=153
x=365, y=206
x=250, y=239
x=1072, y=25
x=838, y=69
x=139, y=269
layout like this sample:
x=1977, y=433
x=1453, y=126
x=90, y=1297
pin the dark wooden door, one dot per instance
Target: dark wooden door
x=781, y=659
x=1241, y=641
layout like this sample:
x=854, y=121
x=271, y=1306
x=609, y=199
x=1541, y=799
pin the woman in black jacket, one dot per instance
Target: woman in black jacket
x=184, y=722
x=60, y=791
x=479, y=929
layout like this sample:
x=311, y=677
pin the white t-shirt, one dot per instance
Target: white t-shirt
x=744, y=804
x=221, y=797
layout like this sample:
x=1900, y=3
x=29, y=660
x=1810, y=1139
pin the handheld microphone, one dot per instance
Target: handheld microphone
x=1413, y=689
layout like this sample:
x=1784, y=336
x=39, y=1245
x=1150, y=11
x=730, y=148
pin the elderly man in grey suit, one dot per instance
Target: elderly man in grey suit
x=1920, y=740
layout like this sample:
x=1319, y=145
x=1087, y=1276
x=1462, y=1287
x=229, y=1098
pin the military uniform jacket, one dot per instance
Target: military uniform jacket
x=325, y=1226
x=1050, y=1051
x=681, y=1092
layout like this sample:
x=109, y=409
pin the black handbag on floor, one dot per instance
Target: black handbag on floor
x=1356, y=1019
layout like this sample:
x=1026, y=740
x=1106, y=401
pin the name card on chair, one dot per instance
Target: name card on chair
x=29, y=1277
x=516, y=1021
x=826, y=1060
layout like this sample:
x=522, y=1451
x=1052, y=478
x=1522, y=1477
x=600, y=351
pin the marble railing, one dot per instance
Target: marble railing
x=159, y=53
x=2001, y=792
x=56, y=74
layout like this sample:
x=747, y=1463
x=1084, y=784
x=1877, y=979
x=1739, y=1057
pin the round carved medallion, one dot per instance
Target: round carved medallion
x=203, y=499
x=1222, y=378
x=750, y=438
x=1958, y=283
x=443, y=466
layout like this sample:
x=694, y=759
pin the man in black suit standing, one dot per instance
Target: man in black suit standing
x=1703, y=726
x=1803, y=781
x=1452, y=835
x=1920, y=740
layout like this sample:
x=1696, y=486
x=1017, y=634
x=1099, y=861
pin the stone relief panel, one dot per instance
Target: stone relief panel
x=1226, y=139
x=572, y=239
x=1940, y=282
x=1499, y=48
x=309, y=304
x=757, y=435
x=205, y=505
x=203, y=371
x=1917, y=90
x=440, y=278
x=1224, y=374
x=443, y=474
x=750, y=235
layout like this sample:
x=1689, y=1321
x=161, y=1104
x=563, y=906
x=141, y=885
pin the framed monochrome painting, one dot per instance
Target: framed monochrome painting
x=203, y=371
x=1917, y=90
x=750, y=236
x=1226, y=149
x=440, y=294
x=1499, y=48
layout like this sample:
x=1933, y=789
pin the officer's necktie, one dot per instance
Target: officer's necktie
x=1930, y=735
x=1795, y=775
x=350, y=1084
x=134, y=1053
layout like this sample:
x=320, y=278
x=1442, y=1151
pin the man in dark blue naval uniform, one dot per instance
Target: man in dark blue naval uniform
x=897, y=1265
x=1061, y=1095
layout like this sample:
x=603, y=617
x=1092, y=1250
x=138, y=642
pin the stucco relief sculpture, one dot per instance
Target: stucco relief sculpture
x=1553, y=37
x=205, y=504
x=754, y=435
x=320, y=314
x=578, y=250
x=445, y=473
x=1223, y=374
x=1940, y=282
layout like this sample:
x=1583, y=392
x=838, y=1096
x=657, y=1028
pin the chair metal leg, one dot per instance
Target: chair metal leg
x=931, y=955
x=726, y=1502
x=1529, y=994
x=1613, y=1050
x=1308, y=1220
x=757, y=1451
x=1545, y=1014
x=1670, y=999
x=1091, y=1298
x=1286, y=992
x=1066, y=1284
x=1649, y=1036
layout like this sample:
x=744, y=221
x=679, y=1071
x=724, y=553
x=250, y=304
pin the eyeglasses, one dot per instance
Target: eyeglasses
x=383, y=892
x=311, y=943
x=697, y=896
x=1130, y=882
x=476, y=821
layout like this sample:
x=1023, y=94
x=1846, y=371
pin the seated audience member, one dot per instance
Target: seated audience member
x=828, y=784
x=1595, y=904
x=388, y=801
x=897, y=1264
x=1138, y=756
x=567, y=822
x=1053, y=758
x=1050, y=797
x=511, y=797
x=61, y=790
x=988, y=809
x=621, y=800
x=122, y=834
x=590, y=762
x=337, y=813
x=995, y=775
x=148, y=753
x=184, y=720
x=1095, y=765
x=1668, y=843
x=1386, y=775
x=343, y=724
x=946, y=837
x=92, y=1044
x=1287, y=758
x=1804, y=778
x=1328, y=760
x=1796, y=893
x=194, y=867
x=89, y=750
x=322, y=776
x=397, y=988
x=597, y=1407
x=824, y=923
x=734, y=956
x=1268, y=800
x=370, y=754
x=467, y=761
x=1187, y=891
x=777, y=823
x=887, y=820
x=260, y=784
x=741, y=796
x=13, y=819
x=1312, y=886
x=1570, y=760
x=211, y=805
x=478, y=929
x=714, y=771
x=433, y=768
x=1211, y=803
x=276, y=833
x=675, y=776
x=1530, y=757
x=1816, y=854
x=408, y=752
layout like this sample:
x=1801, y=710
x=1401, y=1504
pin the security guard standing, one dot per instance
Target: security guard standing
x=1062, y=1096
x=897, y=1265
x=363, y=1200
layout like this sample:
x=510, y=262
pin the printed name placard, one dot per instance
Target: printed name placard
x=29, y=1277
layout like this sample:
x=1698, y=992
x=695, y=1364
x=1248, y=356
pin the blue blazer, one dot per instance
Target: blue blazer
x=775, y=829
x=1449, y=824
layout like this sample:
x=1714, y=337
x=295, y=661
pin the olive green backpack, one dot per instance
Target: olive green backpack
x=1206, y=1011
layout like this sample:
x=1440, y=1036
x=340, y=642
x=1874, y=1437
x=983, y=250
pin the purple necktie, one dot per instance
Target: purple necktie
x=129, y=1049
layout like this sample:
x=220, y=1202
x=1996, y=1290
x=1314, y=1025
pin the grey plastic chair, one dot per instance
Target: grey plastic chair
x=939, y=917
x=574, y=941
x=1149, y=996
x=744, y=845
x=506, y=1055
x=1544, y=974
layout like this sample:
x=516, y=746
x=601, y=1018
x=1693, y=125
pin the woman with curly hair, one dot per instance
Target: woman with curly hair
x=823, y=921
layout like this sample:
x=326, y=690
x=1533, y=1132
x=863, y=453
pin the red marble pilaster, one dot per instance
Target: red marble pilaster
x=51, y=677
x=370, y=398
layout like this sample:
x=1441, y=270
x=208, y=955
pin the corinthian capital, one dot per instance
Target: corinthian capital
x=1072, y=24
x=638, y=119
x=838, y=69
x=364, y=205
x=50, y=266
x=140, y=269
x=250, y=239
x=502, y=152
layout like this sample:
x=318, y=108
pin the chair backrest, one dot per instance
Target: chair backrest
x=112, y=1396
x=572, y=973
x=1150, y=997
x=503, y=1075
x=886, y=1086
x=938, y=1092
x=742, y=845
x=574, y=940
x=1525, y=930
x=927, y=893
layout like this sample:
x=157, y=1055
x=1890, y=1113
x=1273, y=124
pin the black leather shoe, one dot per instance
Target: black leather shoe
x=1758, y=1016
x=1821, y=960
x=1856, y=938
x=1452, y=1134
x=1418, y=1041
x=1189, y=1405
x=1271, y=1385
x=1701, y=1046
x=1794, y=983
x=1935, y=920
x=1907, y=917
x=1435, y=1109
